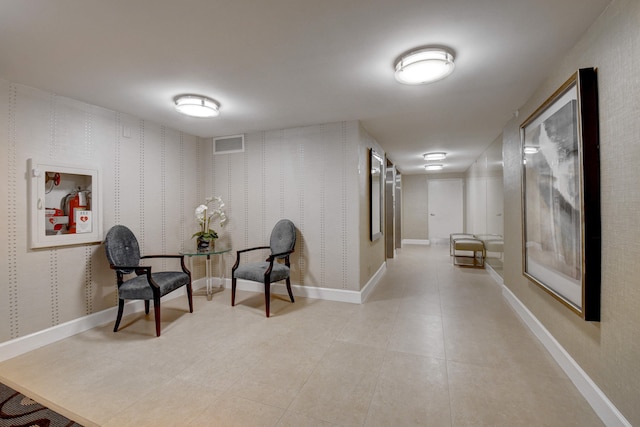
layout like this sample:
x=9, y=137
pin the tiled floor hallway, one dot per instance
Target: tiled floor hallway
x=435, y=345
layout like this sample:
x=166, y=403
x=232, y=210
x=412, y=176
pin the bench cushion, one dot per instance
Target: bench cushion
x=468, y=245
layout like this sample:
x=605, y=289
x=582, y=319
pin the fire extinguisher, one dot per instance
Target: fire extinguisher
x=76, y=200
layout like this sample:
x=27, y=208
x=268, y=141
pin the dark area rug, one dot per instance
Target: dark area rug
x=18, y=410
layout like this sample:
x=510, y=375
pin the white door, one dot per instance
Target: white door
x=445, y=208
x=477, y=209
x=495, y=205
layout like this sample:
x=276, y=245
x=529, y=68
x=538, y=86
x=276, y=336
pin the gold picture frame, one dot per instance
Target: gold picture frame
x=561, y=195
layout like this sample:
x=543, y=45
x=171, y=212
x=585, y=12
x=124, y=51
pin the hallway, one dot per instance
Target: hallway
x=434, y=345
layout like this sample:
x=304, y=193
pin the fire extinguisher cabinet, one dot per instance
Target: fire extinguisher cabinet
x=64, y=204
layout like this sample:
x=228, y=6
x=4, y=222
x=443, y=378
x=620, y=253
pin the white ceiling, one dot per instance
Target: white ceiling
x=275, y=64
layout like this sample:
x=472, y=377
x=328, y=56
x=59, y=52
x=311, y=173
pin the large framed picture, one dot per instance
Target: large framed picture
x=561, y=195
x=376, y=194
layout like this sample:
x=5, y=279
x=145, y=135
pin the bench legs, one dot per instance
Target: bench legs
x=476, y=247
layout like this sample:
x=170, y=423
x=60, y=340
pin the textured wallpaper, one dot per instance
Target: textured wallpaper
x=147, y=184
x=152, y=178
x=609, y=351
x=308, y=175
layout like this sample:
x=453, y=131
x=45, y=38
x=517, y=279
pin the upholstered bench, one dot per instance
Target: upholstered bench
x=493, y=244
x=475, y=246
x=455, y=236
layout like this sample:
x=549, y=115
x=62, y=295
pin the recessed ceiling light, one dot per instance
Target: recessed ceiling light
x=197, y=106
x=433, y=167
x=435, y=156
x=424, y=66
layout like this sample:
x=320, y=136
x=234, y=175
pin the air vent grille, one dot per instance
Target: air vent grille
x=228, y=144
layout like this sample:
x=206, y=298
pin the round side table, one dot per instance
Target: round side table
x=219, y=251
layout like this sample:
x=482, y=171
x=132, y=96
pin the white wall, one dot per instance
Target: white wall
x=147, y=181
x=484, y=192
x=310, y=175
x=415, y=206
x=609, y=350
x=152, y=180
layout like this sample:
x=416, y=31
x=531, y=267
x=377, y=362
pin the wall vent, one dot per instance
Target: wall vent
x=228, y=144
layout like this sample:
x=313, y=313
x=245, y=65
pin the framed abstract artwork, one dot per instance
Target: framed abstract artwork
x=561, y=195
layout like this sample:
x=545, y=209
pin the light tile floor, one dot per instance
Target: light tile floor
x=435, y=345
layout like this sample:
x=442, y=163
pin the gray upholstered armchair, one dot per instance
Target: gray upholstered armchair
x=124, y=257
x=281, y=244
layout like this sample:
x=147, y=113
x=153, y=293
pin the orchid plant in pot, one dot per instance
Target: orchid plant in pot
x=207, y=213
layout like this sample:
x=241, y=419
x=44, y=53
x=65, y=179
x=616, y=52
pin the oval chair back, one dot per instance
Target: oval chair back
x=122, y=248
x=123, y=253
x=283, y=237
x=281, y=244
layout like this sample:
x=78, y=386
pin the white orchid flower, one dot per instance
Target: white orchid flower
x=201, y=212
x=206, y=213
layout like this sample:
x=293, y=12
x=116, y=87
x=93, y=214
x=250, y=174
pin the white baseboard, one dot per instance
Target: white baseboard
x=372, y=283
x=415, y=242
x=493, y=274
x=341, y=295
x=18, y=346
x=604, y=408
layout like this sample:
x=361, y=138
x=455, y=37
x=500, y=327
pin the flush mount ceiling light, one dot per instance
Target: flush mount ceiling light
x=197, y=106
x=424, y=66
x=529, y=149
x=433, y=167
x=435, y=156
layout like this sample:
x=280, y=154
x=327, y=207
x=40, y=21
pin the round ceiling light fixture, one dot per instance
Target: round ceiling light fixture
x=530, y=149
x=435, y=156
x=197, y=106
x=433, y=167
x=423, y=66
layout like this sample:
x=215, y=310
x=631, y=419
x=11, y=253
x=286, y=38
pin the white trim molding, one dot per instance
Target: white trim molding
x=493, y=274
x=18, y=346
x=329, y=294
x=606, y=410
x=415, y=242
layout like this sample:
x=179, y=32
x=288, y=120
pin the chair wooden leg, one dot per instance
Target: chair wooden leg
x=190, y=297
x=156, y=312
x=233, y=291
x=119, y=317
x=267, y=296
x=146, y=306
x=289, y=289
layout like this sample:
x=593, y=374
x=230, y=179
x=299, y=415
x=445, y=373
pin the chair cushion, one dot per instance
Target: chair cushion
x=255, y=271
x=494, y=245
x=468, y=245
x=283, y=237
x=454, y=236
x=139, y=288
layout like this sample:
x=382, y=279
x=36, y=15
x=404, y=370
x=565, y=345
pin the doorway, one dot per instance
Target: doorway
x=390, y=210
x=398, y=210
x=445, y=209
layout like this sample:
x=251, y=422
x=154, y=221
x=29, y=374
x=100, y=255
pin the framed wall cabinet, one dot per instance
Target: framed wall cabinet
x=64, y=204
